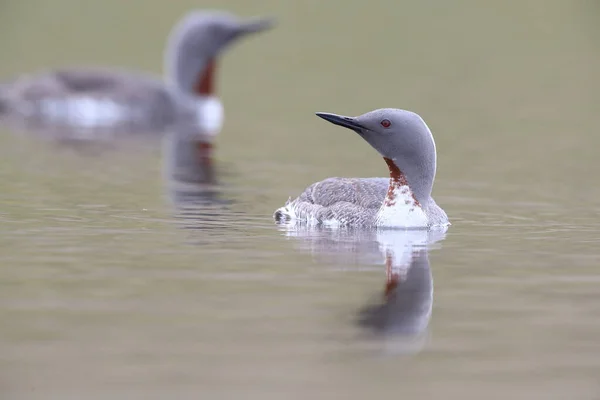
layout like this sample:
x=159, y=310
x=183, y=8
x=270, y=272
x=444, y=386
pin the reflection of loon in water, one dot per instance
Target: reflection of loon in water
x=201, y=207
x=185, y=163
x=404, y=310
x=190, y=179
x=407, y=300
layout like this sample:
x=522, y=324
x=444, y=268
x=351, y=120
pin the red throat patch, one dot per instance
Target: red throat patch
x=205, y=84
x=397, y=180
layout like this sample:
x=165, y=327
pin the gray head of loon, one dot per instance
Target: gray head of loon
x=403, y=140
x=195, y=42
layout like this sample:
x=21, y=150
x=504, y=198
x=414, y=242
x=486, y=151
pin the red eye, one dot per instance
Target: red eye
x=386, y=123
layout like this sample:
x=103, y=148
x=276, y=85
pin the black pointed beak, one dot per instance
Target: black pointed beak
x=346, y=122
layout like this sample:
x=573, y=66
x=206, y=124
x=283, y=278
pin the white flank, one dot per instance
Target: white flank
x=84, y=111
x=286, y=213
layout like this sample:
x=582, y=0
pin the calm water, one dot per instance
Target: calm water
x=113, y=290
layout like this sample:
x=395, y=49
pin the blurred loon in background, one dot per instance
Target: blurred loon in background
x=95, y=99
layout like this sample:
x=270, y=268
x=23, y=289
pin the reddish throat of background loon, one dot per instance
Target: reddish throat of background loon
x=205, y=84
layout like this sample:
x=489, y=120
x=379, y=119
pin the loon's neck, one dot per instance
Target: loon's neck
x=400, y=208
x=205, y=83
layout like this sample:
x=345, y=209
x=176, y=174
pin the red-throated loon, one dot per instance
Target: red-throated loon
x=95, y=99
x=401, y=201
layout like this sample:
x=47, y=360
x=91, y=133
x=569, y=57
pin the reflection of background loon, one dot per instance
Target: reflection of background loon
x=184, y=161
x=192, y=185
x=404, y=310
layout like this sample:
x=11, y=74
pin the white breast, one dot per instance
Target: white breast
x=209, y=115
x=400, y=210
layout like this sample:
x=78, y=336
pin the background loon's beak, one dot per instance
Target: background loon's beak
x=346, y=122
x=256, y=25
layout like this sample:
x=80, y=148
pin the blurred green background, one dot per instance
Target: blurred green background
x=508, y=88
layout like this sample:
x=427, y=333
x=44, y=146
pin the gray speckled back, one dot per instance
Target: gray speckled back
x=352, y=201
